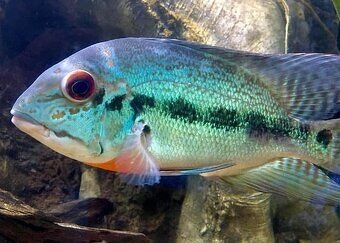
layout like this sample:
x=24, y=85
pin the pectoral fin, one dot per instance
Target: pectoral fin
x=292, y=177
x=135, y=163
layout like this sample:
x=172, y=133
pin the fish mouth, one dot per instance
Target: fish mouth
x=58, y=141
x=28, y=124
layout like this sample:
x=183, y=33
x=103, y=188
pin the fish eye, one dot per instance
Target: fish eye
x=78, y=86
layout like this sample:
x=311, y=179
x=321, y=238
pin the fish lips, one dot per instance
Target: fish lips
x=27, y=124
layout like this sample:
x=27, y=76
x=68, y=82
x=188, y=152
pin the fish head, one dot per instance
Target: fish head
x=78, y=107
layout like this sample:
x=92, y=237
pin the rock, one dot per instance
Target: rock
x=304, y=221
x=89, y=186
x=86, y=212
x=242, y=25
x=214, y=212
x=313, y=26
x=35, y=226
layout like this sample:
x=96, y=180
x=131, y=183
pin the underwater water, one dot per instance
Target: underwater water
x=34, y=35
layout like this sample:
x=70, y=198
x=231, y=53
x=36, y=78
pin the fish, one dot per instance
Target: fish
x=147, y=108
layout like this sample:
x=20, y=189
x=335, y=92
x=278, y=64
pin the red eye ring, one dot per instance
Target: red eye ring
x=78, y=86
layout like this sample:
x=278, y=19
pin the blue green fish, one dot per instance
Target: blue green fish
x=150, y=107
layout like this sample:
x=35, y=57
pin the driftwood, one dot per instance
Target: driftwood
x=22, y=223
x=86, y=212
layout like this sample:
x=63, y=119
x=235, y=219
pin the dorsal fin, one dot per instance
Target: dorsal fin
x=306, y=85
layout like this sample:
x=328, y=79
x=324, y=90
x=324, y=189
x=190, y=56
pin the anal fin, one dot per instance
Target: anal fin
x=292, y=177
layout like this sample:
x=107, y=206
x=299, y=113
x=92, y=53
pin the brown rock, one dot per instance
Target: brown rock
x=305, y=221
x=214, y=212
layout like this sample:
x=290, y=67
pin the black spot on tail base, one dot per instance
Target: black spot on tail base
x=256, y=124
x=116, y=104
x=324, y=137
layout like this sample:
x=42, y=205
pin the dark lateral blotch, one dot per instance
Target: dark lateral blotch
x=98, y=99
x=258, y=125
x=116, y=104
x=181, y=108
x=140, y=101
x=224, y=118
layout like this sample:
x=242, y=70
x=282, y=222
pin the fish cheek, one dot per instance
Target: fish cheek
x=79, y=123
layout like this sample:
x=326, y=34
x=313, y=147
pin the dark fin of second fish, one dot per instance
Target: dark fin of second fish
x=306, y=85
x=292, y=177
x=195, y=171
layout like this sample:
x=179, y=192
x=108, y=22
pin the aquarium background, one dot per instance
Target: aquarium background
x=39, y=33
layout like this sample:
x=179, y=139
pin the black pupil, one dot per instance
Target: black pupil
x=80, y=87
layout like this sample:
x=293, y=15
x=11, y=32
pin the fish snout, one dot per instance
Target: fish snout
x=22, y=102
